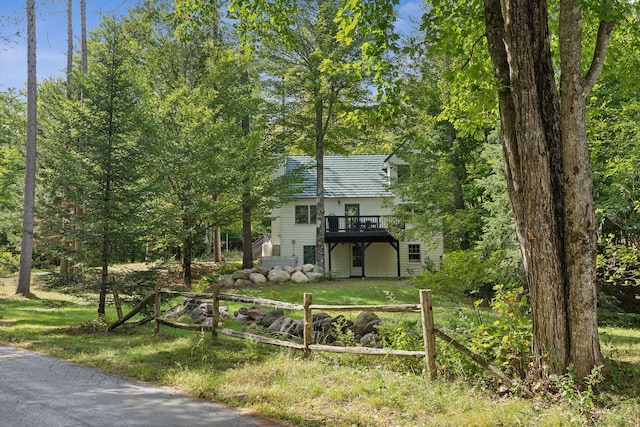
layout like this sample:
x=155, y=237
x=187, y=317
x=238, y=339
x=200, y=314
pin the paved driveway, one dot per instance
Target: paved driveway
x=39, y=390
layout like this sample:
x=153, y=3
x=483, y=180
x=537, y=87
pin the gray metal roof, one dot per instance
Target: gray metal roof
x=359, y=175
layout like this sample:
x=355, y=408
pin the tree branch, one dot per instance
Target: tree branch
x=472, y=49
x=599, y=54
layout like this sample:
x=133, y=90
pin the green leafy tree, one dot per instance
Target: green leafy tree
x=97, y=150
x=543, y=133
x=438, y=187
x=317, y=77
x=12, y=128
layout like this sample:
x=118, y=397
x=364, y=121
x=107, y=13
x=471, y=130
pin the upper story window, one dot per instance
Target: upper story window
x=305, y=214
x=402, y=171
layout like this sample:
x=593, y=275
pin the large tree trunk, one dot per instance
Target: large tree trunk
x=26, y=247
x=580, y=220
x=320, y=226
x=187, y=253
x=247, y=243
x=64, y=262
x=541, y=160
x=217, y=245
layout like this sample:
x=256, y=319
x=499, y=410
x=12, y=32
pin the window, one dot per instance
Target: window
x=356, y=256
x=403, y=171
x=309, y=254
x=305, y=214
x=414, y=252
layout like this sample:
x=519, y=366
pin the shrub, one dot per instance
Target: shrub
x=471, y=271
x=618, y=274
x=8, y=264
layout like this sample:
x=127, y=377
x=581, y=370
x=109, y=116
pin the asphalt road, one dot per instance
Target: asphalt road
x=39, y=390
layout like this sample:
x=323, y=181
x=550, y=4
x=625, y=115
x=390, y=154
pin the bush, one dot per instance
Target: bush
x=501, y=336
x=471, y=272
x=8, y=264
x=618, y=274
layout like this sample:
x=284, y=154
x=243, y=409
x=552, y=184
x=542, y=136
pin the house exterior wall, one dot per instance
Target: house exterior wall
x=380, y=257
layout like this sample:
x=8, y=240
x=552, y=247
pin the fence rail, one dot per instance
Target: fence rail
x=425, y=308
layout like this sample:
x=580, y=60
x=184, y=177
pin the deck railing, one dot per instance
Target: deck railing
x=362, y=223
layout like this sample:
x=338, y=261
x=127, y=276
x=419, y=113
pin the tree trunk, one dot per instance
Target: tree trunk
x=84, y=67
x=541, y=167
x=69, y=45
x=580, y=221
x=247, y=243
x=217, y=245
x=26, y=247
x=320, y=226
x=187, y=249
x=456, y=187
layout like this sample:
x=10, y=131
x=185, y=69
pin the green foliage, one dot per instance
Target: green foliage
x=618, y=280
x=505, y=339
x=8, y=263
x=581, y=397
x=618, y=264
x=468, y=272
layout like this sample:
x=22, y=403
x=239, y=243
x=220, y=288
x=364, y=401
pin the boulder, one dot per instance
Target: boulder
x=254, y=313
x=299, y=277
x=223, y=311
x=279, y=276
x=287, y=325
x=371, y=326
x=243, y=282
x=363, y=319
x=261, y=270
x=257, y=278
x=370, y=340
x=241, y=274
x=227, y=281
x=292, y=327
x=307, y=268
x=275, y=326
x=289, y=269
x=206, y=308
x=271, y=317
x=314, y=277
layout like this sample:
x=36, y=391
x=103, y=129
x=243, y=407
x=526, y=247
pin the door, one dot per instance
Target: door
x=356, y=260
x=352, y=215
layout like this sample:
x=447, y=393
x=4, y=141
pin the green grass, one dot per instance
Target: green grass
x=328, y=389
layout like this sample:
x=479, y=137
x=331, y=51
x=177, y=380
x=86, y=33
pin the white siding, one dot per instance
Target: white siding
x=380, y=257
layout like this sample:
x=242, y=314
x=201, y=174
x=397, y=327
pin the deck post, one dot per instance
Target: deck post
x=428, y=332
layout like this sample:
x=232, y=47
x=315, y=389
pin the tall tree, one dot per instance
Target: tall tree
x=26, y=247
x=549, y=176
x=317, y=78
x=96, y=151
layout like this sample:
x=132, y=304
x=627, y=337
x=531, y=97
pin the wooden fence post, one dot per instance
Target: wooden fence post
x=116, y=301
x=308, y=324
x=157, y=311
x=216, y=310
x=428, y=332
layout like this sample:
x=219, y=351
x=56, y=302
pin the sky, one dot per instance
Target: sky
x=51, y=33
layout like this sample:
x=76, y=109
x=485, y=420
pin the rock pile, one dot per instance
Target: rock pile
x=260, y=276
x=325, y=327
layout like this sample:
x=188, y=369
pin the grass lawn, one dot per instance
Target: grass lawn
x=328, y=389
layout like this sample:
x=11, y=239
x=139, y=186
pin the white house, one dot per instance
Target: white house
x=358, y=205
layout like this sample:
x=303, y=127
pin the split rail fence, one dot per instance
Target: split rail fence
x=425, y=308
